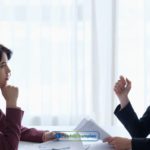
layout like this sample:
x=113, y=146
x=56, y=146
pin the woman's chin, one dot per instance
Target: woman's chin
x=3, y=84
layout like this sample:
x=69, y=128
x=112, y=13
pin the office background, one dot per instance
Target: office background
x=69, y=53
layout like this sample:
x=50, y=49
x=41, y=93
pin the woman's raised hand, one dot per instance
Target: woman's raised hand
x=122, y=89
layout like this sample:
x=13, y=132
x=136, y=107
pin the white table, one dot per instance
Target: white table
x=114, y=131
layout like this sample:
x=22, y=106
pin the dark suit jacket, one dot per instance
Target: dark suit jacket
x=138, y=128
x=11, y=131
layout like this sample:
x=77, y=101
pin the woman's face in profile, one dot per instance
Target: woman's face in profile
x=4, y=70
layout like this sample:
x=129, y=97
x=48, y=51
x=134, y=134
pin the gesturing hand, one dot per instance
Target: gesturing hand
x=122, y=88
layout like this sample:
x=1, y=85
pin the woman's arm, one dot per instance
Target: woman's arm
x=10, y=136
x=125, y=112
x=32, y=134
x=120, y=143
x=138, y=128
x=11, y=123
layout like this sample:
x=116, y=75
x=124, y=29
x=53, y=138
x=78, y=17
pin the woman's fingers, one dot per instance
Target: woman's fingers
x=119, y=87
x=122, y=79
x=108, y=139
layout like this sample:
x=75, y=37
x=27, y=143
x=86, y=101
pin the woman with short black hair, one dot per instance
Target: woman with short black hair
x=11, y=130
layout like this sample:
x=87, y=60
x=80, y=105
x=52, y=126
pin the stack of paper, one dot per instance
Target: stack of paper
x=90, y=125
x=100, y=146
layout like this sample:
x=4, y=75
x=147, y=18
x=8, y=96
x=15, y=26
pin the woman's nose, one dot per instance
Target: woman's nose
x=8, y=70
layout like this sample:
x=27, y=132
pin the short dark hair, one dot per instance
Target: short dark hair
x=5, y=50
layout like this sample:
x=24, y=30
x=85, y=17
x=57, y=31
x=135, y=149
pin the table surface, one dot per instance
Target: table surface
x=112, y=130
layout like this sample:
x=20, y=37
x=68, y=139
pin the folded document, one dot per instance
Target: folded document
x=90, y=125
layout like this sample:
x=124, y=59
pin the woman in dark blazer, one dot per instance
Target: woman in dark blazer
x=138, y=128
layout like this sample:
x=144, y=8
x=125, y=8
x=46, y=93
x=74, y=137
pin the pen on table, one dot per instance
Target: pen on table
x=64, y=148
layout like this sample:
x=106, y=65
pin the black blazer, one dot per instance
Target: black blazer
x=138, y=128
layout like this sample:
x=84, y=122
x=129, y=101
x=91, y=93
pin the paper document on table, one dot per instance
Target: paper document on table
x=90, y=125
x=100, y=146
x=61, y=145
x=28, y=146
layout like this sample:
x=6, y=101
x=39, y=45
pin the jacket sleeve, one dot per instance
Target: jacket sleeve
x=138, y=128
x=31, y=134
x=140, y=144
x=10, y=135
